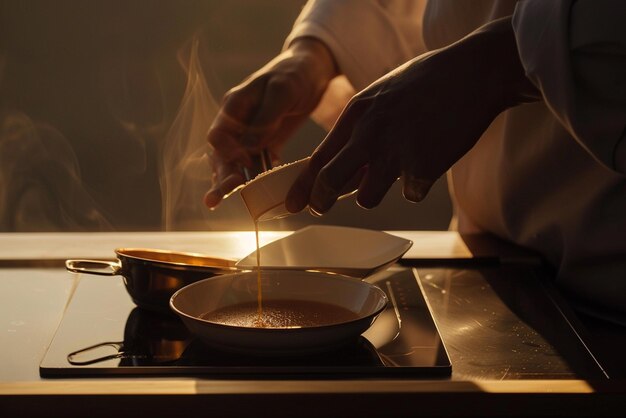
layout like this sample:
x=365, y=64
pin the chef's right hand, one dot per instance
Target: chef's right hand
x=264, y=110
x=416, y=121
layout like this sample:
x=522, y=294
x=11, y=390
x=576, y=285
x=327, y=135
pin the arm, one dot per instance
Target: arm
x=580, y=69
x=368, y=38
x=360, y=38
x=416, y=121
x=264, y=110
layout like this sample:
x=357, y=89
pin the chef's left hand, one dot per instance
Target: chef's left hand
x=415, y=122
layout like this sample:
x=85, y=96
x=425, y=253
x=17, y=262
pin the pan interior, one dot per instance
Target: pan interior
x=217, y=293
x=173, y=257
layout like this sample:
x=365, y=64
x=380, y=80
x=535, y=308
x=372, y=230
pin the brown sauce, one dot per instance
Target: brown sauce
x=278, y=313
x=281, y=313
x=258, y=275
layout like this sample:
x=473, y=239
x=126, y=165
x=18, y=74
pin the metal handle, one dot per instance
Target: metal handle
x=261, y=163
x=82, y=357
x=93, y=267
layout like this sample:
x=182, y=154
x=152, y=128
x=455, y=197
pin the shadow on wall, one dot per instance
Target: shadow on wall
x=111, y=135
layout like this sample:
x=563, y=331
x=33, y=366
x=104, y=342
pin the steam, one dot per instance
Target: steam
x=185, y=174
x=41, y=185
x=40, y=181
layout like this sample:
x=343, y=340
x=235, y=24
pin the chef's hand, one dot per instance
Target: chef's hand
x=415, y=122
x=263, y=111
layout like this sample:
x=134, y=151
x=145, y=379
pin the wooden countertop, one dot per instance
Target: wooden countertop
x=18, y=248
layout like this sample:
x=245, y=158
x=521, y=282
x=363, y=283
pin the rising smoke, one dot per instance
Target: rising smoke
x=40, y=180
x=185, y=173
x=41, y=184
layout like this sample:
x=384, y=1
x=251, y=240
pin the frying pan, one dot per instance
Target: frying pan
x=192, y=303
x=152, y=276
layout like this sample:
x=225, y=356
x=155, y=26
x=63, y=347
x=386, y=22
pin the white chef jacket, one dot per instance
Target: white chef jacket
x=547, y=175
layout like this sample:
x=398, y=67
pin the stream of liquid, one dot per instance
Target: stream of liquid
x=282, y=313
x=259, y=320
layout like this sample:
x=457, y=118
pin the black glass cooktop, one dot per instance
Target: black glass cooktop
x=103, y=333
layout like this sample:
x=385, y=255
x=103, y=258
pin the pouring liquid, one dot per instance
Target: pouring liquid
x=279, y=313
x=259, y=322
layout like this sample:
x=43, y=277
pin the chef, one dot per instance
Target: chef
x=523, y=105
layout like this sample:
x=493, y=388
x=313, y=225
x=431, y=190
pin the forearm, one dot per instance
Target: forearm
x=319, y=60
x=367, y=37
x=492, y=51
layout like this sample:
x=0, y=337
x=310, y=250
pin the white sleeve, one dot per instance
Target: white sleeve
x=368, y=38
x=575, y=53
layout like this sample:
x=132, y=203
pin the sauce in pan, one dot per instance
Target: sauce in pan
x=278, y=313
x=281, y=314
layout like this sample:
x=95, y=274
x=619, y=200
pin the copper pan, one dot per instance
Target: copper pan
x=152, y=276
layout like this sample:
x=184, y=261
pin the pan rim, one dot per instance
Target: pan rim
x=383, y=302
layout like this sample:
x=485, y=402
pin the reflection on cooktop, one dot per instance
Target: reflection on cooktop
x=103, y=333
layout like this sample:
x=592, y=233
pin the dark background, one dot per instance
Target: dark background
x=88, y=91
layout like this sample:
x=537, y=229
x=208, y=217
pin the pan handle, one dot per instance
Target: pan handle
x=101, y=268
x=82, y=357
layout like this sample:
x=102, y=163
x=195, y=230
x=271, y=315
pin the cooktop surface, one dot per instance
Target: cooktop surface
x=103, y=333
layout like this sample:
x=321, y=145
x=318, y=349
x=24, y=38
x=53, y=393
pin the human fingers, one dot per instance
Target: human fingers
x=332, y=179
x=378, y=179
x=351, y=147
x=223, y=138
x=299, y=194
x=415, y=189
x=231, y=122
x=227, y=178
x=241, y=101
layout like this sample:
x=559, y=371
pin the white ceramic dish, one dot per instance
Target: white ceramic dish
x=365, y=300
x=352, y=252
x=264, y=196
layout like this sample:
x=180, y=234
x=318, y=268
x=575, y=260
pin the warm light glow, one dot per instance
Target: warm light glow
x=245, y=241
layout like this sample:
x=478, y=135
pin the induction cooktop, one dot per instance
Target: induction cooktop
x=103, y=333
